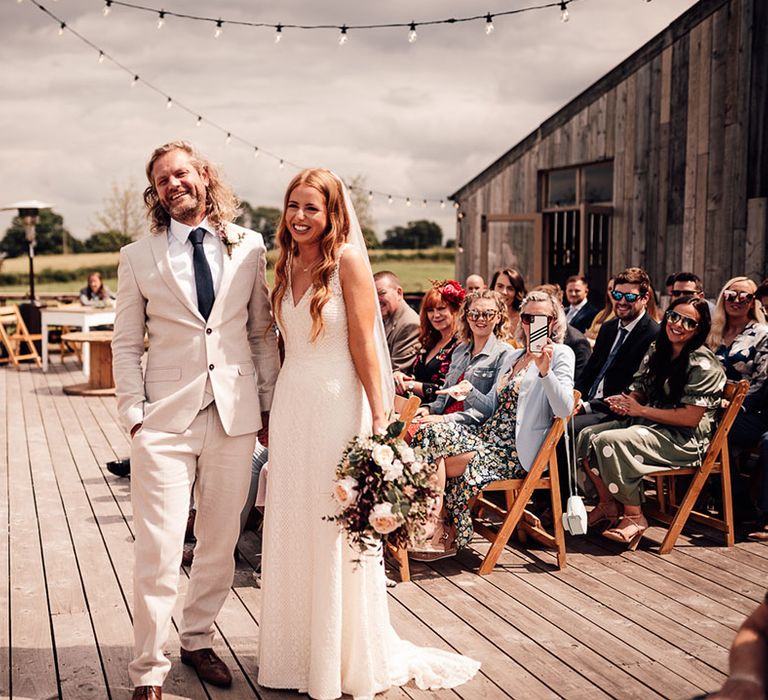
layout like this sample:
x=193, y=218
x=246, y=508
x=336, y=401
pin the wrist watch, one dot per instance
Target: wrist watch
x=410, y=385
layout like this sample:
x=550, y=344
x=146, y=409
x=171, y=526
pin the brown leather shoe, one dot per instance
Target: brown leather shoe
x=209, y=667
x=147, y=692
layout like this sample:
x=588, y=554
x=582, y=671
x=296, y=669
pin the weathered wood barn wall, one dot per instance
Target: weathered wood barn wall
x=662, y=163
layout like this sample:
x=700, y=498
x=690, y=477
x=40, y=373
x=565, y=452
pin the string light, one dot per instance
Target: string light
x=135, y=78
x=219, y=29
x=107, y=8
x=488, y=24
x=278, y=33
x=455, y=205
x=412, y=35
x=424, y=203
x=343, y=36
x=563, y=11
x=160, y=19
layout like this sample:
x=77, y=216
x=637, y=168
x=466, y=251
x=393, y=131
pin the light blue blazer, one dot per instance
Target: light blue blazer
x=540, y=400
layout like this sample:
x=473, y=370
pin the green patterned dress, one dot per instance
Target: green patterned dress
x=624, y=451
x=495, y=454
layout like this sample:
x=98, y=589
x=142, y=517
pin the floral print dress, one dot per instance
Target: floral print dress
x=432, y=373
x=747, y=358
x=495, y=454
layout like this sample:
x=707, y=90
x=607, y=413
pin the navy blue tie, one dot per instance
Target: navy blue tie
x=203, y=278
x=608, y=362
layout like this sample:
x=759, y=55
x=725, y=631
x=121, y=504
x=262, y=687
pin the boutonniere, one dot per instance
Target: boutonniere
x=232, y=239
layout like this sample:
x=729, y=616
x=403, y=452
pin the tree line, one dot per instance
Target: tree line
x=122, y=220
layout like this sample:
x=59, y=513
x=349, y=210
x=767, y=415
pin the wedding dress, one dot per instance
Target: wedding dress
x=324, y=626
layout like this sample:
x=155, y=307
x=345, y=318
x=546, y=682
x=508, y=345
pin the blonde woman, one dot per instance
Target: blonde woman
x=324, y=627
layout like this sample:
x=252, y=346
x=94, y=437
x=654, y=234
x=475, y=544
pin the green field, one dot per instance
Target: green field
x=415, y=273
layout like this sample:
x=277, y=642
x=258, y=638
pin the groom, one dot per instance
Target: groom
x=197, y=288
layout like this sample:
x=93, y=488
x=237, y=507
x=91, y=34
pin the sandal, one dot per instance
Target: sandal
x=629, y=534
x=760, y=535
x=441, y=545
x=604, y=512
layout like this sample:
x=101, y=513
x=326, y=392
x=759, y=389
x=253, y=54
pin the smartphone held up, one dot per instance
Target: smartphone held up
x=538, y=332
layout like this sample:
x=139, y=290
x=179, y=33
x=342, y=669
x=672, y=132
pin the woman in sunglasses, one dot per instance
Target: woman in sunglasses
x=483, y=331
x=739, y=338
x=532, y=388
x=670, y=415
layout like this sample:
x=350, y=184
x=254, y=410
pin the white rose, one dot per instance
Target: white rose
x=382, y=519
x=392, y=471
x=345, y=491
x=407, y=454
x=416, y=467
x=383, y=454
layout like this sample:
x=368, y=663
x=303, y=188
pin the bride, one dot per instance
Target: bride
x=325, y=626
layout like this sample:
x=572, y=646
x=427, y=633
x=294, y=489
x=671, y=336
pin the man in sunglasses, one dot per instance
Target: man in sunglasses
x=619, y=348
x=688, y=284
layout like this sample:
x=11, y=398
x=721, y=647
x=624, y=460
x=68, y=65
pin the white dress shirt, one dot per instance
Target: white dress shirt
x=573, y=310
x=180, y=254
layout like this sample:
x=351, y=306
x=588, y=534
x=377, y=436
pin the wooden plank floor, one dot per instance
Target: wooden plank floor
x=612, y=624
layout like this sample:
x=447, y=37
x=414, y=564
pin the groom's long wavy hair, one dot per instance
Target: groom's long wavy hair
x=221, y=204
x=336, y=234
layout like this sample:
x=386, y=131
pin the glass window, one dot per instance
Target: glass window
x=562, y=188
x=598, y=182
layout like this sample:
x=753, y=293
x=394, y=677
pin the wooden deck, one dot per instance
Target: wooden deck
x=612, y=624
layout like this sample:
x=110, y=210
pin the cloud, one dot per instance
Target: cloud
x=415, y=119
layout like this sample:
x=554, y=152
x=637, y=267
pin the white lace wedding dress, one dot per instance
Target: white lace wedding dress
x=324, y=626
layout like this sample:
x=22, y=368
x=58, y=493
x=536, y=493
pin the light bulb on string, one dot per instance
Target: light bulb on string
x=278, y=33
x=169, y=103
x=228, y=139
x=255, y=152
x=407, y=201
x=282, y=164
x=219, y=29
x=199, y=121
x=343, y=36
x=389, y=199
x=107, y=8
x=455, y=205
x=488, y=24
x=563, y=11
x=423, y=203
x=101, y=57
x=442, y=204
x=370, y=196
x=160, y=19
x=134, y=81
x=62, y=27
x=412, y=35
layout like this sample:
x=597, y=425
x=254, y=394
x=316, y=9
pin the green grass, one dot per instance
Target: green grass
x=414, y=275
x=60, y=262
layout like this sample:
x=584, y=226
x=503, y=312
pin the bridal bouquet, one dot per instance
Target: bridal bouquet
x=384, y=491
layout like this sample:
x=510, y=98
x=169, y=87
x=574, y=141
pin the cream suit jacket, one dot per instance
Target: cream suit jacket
x=236, y=348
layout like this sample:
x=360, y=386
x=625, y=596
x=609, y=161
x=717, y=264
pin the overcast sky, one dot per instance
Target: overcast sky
x=415, y=119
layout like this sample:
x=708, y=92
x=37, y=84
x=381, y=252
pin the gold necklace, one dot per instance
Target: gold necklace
x=307, y=268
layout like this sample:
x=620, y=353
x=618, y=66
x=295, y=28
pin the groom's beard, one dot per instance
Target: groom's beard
x=188, y=207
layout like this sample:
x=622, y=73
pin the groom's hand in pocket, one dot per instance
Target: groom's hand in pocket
x=263, y=434
x=135, y=429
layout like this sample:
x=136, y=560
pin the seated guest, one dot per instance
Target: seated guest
x=579, y=312
x=620, y=346
x=670, y=416
x=761, y=294
x=96, y=294
x=534, y=387
x=605, y=314
x=437, y=335
x=739, y=338
x=475, y=365
x=573, y=338
x=511, y=285
x=401, y=322
x=474, y=283
x=688, y=284
x=669, y=282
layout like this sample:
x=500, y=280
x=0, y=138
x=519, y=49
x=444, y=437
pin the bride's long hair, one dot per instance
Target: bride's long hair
x=336, y=234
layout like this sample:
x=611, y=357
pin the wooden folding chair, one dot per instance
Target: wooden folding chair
x=13, y=332
x=517, y=493
x=407, y=410
x=664, y=505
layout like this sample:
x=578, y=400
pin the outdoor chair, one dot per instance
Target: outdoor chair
x=664, y=506
x=517, y=493
x=14, y=333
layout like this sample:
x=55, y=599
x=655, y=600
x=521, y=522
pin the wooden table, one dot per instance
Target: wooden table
x=100, y=380
x=85, y=317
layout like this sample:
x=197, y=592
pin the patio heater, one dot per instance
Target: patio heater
x=28, y=213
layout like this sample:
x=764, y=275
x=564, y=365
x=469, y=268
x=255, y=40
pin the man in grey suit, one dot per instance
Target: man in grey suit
x=197, y=288
x=401, y=322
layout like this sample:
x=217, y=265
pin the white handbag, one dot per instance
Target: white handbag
x=575, y=516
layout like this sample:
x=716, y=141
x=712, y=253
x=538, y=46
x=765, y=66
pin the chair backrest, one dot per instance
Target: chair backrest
x=553, y=436
x=734, y=393
x=11, y=316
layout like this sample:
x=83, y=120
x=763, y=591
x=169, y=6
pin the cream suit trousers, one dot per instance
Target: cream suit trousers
x=163, y=468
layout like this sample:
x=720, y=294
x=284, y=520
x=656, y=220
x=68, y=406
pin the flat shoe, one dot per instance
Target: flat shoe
x=759, y=535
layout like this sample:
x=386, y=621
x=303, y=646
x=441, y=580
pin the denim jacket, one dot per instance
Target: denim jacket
x=481, y=371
